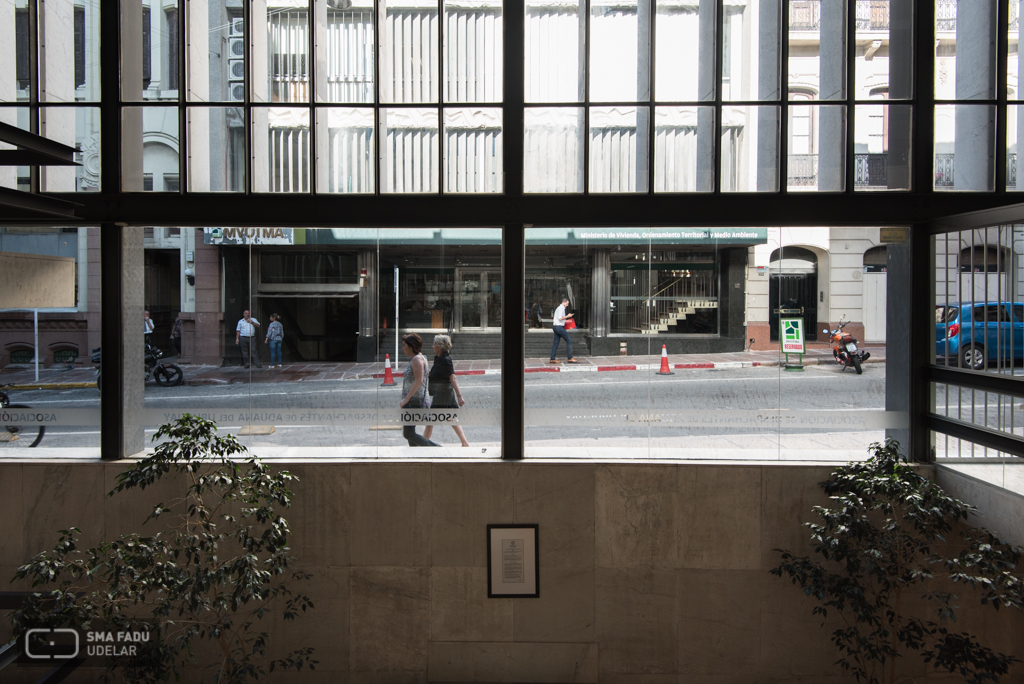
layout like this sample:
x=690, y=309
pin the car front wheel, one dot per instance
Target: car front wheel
x=973, y=356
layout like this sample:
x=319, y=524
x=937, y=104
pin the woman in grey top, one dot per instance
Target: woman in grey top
x=414, y=386
x=275, y=335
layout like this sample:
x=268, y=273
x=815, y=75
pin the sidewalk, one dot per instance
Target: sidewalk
x=62, y=378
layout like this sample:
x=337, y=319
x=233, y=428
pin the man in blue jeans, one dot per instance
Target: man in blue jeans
x=558, y=327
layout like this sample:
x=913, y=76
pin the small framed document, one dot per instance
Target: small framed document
x=512, y=562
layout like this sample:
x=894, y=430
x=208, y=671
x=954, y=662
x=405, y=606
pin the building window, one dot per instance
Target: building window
x=171, y=183
x=21, y=46
x=147, y=46
x=172, y=49
x=79, y=47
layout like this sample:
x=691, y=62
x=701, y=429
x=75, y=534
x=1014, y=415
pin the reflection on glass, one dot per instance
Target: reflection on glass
x=58, y=351
x=350, y=150
x=412, y=155
x=817, y=48
x=216, y=53
x=280, y=149
x=618, y=31
x=965, y=147
x=472, y=51
x=555, y=50
x=884, y=34
x=750, y=149
x=746, y=75
x=472, y=148
x=882, y=152
x=216, y=138
x=553, y=149
x=283, y=60
x=69, y=51
x=965, y=37
x=409, y=53
x=16, y=42
x=684, y=153
x=78, y=127
x=1014, y=158
x=1014, y=57
x=618, y=149
x=149, y=149
x=345, y=44
x=149, y=51
x=685, y=35
x=817, y=147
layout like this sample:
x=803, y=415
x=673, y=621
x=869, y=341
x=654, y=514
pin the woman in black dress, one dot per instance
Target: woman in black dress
x=443, y=386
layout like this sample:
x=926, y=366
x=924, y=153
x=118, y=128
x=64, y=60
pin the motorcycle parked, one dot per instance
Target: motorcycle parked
x=844, y=348
x=165, y=374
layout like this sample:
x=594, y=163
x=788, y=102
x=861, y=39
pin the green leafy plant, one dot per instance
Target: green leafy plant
x=204, y=581
x=890, y=540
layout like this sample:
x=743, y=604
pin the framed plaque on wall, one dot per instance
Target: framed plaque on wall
x=513, y=565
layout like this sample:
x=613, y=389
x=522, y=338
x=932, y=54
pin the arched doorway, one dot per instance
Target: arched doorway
x=874, y=298
x=792, y=289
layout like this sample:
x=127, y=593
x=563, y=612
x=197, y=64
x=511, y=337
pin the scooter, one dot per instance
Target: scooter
x=844, y=348
x=165, y=374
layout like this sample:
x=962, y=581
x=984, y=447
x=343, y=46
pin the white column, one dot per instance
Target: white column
x=706, y=92
x=832, y=79
x=57, y=84
x=259, y=93
x=975, y=128
x=768, y=66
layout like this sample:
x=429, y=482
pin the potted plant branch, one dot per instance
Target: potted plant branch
x=200, y=584
x=892, y=538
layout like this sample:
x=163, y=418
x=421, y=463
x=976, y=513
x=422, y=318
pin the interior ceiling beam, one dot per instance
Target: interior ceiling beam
x=32, y=158
x=18, y=206
x=62, y=155
x=301, y=210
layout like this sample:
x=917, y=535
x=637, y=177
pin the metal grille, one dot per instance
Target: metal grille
x=944, y=170
x=350, y=151
x=413, y=160
x=289, y=160
x=871, y=170
x=473, y=55
x=803, y=170
x=409, y=56
x=613, y=159
x=552, y=39
x=289, y=64
x=675, y=158
x=945, y=15
x=472, y=158
x=349, y=56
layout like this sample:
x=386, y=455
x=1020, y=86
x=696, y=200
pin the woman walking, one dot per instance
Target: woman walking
x=444, y=388
x=275, y=335
x=414, y=386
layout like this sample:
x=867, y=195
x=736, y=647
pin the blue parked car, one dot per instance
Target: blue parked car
x=974, y=333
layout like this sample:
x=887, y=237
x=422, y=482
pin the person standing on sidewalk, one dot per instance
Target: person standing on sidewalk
x=176, y=335
x=414, y=387
x=275, y=335
x=148, y=331
x=245, y=337
x=443, y=386
x=558, y=327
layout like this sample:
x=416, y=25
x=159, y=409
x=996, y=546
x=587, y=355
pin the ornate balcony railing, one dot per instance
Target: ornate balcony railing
x=944, y=170
x=871, y=170
x=803, y=170
x=872, y=15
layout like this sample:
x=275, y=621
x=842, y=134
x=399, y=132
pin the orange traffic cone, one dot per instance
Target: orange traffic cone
x=664, y=362
x=389, y=379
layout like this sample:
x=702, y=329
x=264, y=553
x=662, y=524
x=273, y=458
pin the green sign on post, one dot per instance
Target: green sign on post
x=791, y=333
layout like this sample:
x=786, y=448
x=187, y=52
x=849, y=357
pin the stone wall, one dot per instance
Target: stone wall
x=649, y=573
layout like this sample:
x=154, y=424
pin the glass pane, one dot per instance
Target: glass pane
x=684, y=152
x=412, y=154
x=14, y=177
x=284, y=59
x=555, y=49
x=553, y=149
x=149, y=149
x=965, y=147
x=685, y=35
x=78, y=127
x=750, y=149
x=885, y=62
x=472, y=148
x=817, y=147
x=620, y=69
x=216, y=139
x=280, y=157
x=69, y=52
x=1014, y=158
x=817, y=49
x=746, y=74
x=15, y=43
x=965, y=36
x=409, y=54
x=303, y=330
x=618, y=149
x=1014, y=57
x=345, y=48
x=149, y=51
x=351, y=157
x=216, y=52
x=882, y=149
x=59, y=269
x=472, y=51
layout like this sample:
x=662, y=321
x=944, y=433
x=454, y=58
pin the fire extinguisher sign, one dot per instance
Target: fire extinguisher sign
x=792, y=334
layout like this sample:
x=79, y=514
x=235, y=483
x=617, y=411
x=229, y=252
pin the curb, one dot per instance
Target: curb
x=52, y=386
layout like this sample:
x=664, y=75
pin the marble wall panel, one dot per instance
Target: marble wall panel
x=465, y=499
x=389, y=513
x=12, y=506
x=60, y=496
x=320, y=525
x=560, y=499
x=564, y=611
x=461, y=611
x=637, y=516
x=720, y=622
x=513, y=662
x=788, y=494
x=721, y=520
x=637, y=620
x=389, y=624
x=127, y=510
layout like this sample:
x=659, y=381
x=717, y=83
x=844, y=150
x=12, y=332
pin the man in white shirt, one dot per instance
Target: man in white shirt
x=245, y=337
x=148, y=332
x=558, y=327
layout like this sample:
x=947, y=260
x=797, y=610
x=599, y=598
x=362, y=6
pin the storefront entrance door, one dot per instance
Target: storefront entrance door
x=479, y=302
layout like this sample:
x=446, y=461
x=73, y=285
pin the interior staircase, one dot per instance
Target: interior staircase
x=676, y=311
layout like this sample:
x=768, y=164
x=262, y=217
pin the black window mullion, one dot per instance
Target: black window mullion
x=246, y=96
x=586, y=98
x=379, y=132
x=1001, y=118
x=179, y=58
x=513, y=342
x=311, y=67
x=33, y=83
x=719, y=57
x=851, y=95
x=652, y=94
x=923, y=130
x=513, y=105
x=784, y=100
